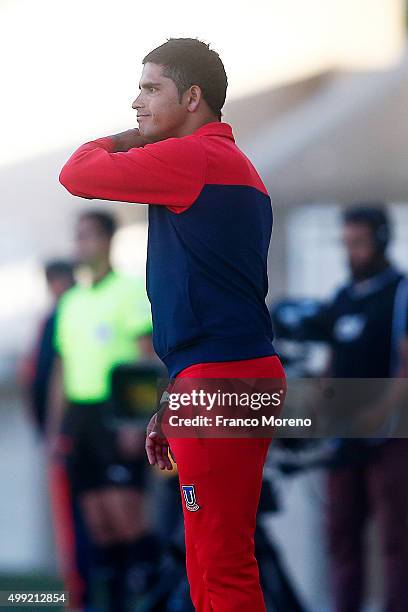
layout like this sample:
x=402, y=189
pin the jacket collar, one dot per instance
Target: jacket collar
x=215, y=128
x=374, y=284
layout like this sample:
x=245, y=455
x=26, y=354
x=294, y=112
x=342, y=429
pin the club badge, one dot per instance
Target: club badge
x=190, y=498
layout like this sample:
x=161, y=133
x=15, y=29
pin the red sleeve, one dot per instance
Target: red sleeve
x=170, y=172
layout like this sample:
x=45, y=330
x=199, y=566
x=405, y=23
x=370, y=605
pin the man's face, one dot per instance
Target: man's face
x=92, y=244
x=160, y=113
x=360, y=246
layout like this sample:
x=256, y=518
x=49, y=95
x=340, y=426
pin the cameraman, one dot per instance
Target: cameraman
x=366, y=326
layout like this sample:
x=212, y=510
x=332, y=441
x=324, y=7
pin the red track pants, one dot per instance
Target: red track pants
x=227, y=477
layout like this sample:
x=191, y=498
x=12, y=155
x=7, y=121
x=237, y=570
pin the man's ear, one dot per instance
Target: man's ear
x=194, y=96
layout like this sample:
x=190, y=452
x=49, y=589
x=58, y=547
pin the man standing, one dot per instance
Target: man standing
x=366, y=326
x=210, y=224
x=37, y=368
x=97, y=328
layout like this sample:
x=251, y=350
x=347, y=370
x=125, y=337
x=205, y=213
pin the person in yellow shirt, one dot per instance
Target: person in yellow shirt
x=97, y=327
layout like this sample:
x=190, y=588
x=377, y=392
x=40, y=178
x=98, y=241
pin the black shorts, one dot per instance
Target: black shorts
x=89, y=447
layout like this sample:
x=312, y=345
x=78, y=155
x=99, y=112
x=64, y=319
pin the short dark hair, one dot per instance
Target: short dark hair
x=107, y=222
x=374, y=216
x=189, y=61
x=57, y=268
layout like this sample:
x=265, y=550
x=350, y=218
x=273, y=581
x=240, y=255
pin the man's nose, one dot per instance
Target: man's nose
x=137, y=103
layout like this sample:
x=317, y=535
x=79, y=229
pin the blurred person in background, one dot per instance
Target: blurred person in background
x=97, y=327
x=36, y=378
x=366, y=326
x=37, y=368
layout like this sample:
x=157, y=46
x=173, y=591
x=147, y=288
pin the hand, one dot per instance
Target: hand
x=129, y=139
x=157, y=447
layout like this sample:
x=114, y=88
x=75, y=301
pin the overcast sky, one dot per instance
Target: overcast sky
x=71, y=67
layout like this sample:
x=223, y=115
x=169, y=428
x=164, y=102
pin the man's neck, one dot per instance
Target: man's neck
x=99, y=271
x=193, y=125
x=371, y=271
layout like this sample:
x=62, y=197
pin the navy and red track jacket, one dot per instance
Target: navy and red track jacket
x=210, y=223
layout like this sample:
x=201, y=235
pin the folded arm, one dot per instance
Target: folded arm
x=170, y=172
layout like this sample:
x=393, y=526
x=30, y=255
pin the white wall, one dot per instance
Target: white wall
x=316, y=261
